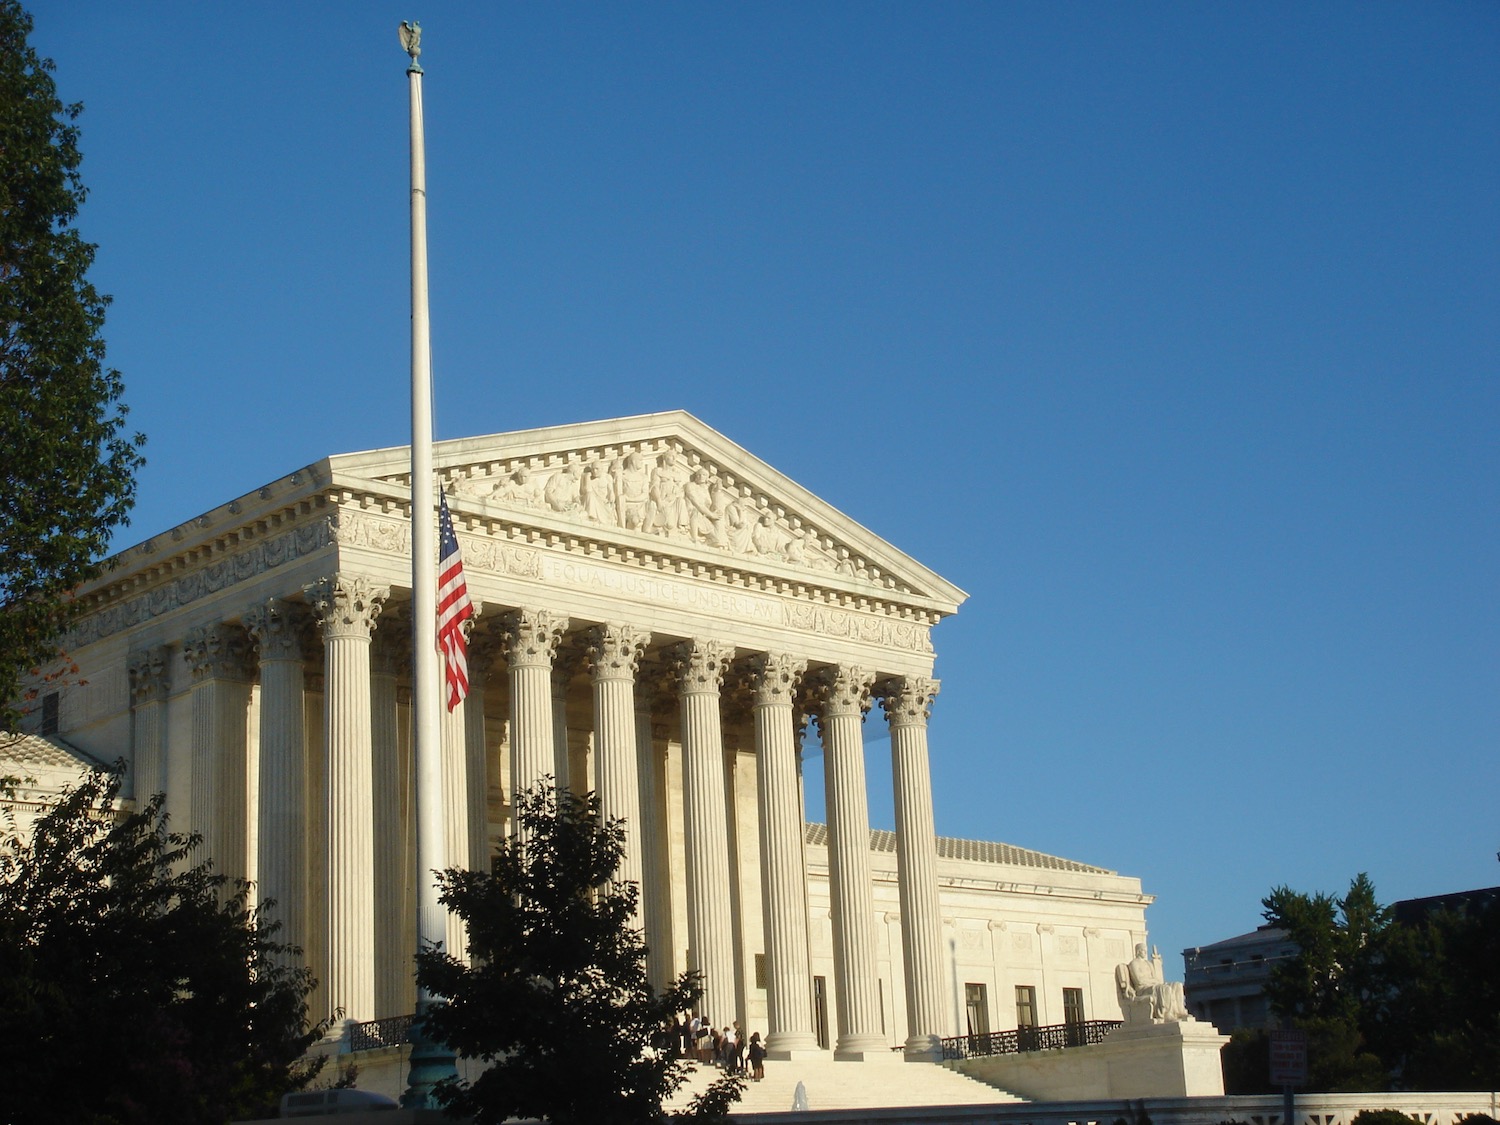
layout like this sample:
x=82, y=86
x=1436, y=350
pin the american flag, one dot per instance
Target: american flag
x=453, y=609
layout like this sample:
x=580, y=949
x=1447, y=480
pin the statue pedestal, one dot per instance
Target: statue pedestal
x=1164, y=1060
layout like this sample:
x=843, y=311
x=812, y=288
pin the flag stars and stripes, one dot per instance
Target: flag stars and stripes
x=453, y=609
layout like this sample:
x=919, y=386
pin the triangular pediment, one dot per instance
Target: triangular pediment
x=661, y=482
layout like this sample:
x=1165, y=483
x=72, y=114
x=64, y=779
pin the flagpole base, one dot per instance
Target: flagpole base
x=431, y=1062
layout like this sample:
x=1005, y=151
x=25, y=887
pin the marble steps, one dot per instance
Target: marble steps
x=851, y=1085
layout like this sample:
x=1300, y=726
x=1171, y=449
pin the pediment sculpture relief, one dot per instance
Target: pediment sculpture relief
x=674, y=494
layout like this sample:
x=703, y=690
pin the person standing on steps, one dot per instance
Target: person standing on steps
x=757, y=1054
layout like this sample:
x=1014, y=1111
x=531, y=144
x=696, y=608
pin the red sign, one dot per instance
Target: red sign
x=1288, y=1057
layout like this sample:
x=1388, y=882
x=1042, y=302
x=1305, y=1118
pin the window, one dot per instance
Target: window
x=978, y=1012
x=1073, y=1015
x=1025, y=1017
x=760, y=971
x=1025, y=1005
x=49, y=713
x=1072, y=1005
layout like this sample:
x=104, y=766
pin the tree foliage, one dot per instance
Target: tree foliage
x=69, y=465
x=136, y=986
x=557, y=997
x=1389, y=1005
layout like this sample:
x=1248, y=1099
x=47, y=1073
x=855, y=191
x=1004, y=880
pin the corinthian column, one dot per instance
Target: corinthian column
x=346, y=607
x=700, y=666
x=390, y=652
x=281, y=864
x=773, y=679
x=482, y=651
x=531, y=637
x=656, y=864
x=845, y=697
x=217, y=656
x=150, y=674
x=614, y=655
x=907, y=702
x=456, y=844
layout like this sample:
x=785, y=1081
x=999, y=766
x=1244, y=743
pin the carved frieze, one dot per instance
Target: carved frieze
x=665, y=490
x=173, y=593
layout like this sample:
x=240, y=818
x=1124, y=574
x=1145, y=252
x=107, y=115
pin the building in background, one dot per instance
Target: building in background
x=1224, y=983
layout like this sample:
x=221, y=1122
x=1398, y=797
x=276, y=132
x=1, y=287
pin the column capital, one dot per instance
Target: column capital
x=907, y=700
x=217, y=652
x=346, y=605
x=150, y=675
x=700, y=665
x=531, y=636
x=615, y=651
x=842, y=690
x=774, y=677
x=277, y=629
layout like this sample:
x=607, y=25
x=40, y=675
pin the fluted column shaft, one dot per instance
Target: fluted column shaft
x=217, y=656
x=476, y=752
x=774, y=679
x=907, y=703
x=346, y=608
x=846, y=697
x=455, y=730
x=281, y=849
x=614, y=654
x=150, y=675
x=701, y=665
x=390, y=650
x=531, y=638
x=656, y=867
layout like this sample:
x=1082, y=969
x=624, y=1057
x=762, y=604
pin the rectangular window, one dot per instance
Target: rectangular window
x=49, y=713
x=760, y=971
x=1073, y=1015
x=977, y=1013
x=1072, y=1005
x=1025, y=1005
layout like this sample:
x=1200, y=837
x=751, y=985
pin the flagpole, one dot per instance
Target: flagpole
x=430, y=1061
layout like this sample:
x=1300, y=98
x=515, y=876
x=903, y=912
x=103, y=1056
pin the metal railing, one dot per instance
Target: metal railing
x=375, y=1034
x=1050, y=1037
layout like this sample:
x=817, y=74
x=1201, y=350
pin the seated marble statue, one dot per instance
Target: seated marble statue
x=1144, y=996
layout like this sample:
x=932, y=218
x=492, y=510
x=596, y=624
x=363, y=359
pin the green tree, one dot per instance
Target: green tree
x=1340, y=941
x=70, y=466
x=1440, y=1028
x=557, y=997
x=1412, y=1005
x=1335, y=981
x=136, y=986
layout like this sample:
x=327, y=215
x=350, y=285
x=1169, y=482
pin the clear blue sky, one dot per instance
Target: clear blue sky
x=1168, y=331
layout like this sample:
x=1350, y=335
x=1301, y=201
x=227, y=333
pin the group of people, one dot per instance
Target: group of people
x=696, y=1037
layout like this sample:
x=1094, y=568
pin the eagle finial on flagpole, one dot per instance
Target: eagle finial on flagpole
x=411, y=43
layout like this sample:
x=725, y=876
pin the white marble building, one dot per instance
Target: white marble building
x=661, y=615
